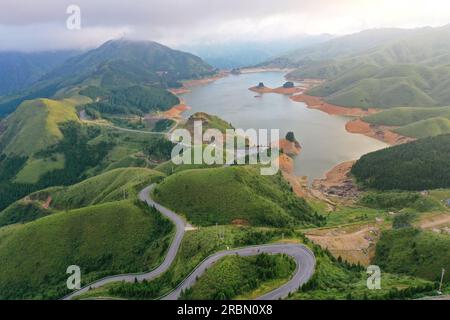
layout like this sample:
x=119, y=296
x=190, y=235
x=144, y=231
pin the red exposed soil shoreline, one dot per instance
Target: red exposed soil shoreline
x=280, y=90
x=381, y=133
x=318, y=103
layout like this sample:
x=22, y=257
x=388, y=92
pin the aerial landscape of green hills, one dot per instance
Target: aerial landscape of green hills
x=385, y=69
x=87, y=176
x=115, y=64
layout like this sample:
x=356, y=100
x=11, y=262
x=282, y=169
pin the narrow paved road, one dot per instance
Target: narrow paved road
x=303, y=257
x=180, y=224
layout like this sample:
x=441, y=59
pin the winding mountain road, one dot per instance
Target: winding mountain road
x=303, y=257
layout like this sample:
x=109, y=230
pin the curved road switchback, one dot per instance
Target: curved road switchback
x=303, y=257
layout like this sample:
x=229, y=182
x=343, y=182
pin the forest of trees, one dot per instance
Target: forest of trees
x=419, y=165
x=137, y=100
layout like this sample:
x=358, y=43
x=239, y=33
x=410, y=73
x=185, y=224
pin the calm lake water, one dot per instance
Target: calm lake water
x=324, y=140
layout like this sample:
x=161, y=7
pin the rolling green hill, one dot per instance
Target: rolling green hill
x=426, y=128
x=235, y=276
x=35, y=126
x=414, y=252
x=340, y=47
x=208, y=122
x=378, y=68
x=43, y=143
x=419, y=165
x=227, y=194
x=404, y=116
x=110, y=238
x=387, y=86
x=414, y=122
x=110, y=186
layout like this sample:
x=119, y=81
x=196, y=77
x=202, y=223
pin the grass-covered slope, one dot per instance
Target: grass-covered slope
x=397, y=68
x=35, y=126
x=334, y=279
x=235, y=276
x=404, y=116
x=109, y=238
x=208, y=122
x=114, y=185
x=387, y=86
x=227, y=194
x=414, y=122
x=426, y=128
x=419, y=165
x=44, y=144
x=414, y=252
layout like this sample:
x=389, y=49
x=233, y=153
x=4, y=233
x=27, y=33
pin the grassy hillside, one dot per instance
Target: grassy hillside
x=399, y=200
x=405, y=116
x=111, y=186
x=227, y=194
x=235, y=276
x=105, y=239
x=418, y=165
x=414, y=122
x=208, y=122
x=386, y=86
x=414, y=252
x=339, y=47
x=335, y=279
x=44, y=144
x=379, y=68
x=426, y=128
x=35, y=126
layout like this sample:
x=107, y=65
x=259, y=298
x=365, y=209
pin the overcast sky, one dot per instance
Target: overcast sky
x=41, y=24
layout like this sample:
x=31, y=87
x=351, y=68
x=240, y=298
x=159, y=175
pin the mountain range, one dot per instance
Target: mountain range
x=115, y=64
x=378, y=68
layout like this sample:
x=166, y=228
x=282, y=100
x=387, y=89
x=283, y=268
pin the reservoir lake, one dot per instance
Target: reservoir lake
x=324, y=140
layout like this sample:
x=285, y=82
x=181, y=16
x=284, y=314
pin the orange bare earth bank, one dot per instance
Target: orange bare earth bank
x=176, y=111
x=286, y=163
x=280, y=90
x=318, y=103
x=382, y=133
x=290, y=148
x=187, y=85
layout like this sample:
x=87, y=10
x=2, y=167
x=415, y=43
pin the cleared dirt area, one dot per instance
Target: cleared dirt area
x=437, y=222
x=355, y=244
